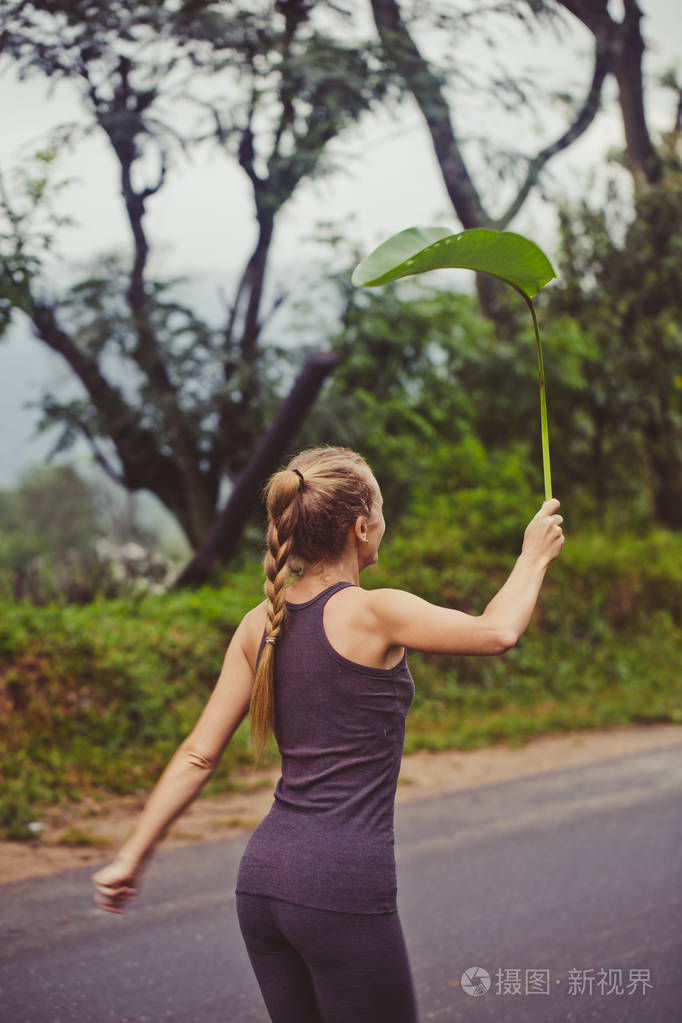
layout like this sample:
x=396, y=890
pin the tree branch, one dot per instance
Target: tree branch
x=145, y=466
x=623, y=47
x=403, y=53
x=583, y=120
x=594, y=15
x=81, y=424
x=133, y=443
x=221, y=542
x=122, y=121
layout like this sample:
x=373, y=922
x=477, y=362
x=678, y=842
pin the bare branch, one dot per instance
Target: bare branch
x=121, y=419
x=81, y=424
x=623, y=47
x=583, y=120
x=153, y=189
x=279, y=300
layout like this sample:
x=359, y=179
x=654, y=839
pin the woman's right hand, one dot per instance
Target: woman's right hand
x=544, y=538
x=115, y=885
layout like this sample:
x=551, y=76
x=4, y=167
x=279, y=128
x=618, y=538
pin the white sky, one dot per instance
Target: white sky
x=202, y=222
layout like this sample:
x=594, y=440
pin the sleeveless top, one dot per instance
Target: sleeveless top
x=328, y=839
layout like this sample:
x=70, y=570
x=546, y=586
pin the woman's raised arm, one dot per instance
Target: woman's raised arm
x=407, y=620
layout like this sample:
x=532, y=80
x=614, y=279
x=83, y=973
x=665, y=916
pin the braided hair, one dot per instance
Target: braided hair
x=312, y=504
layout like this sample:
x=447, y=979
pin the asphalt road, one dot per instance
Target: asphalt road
x=541, y=882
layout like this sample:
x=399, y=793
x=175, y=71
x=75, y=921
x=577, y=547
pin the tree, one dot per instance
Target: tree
x=618, y=50
x=195, y=396
x=51, y=513
x=619, y=47
x=290, y=75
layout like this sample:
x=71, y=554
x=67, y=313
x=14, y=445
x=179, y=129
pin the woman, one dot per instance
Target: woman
x=322, y=663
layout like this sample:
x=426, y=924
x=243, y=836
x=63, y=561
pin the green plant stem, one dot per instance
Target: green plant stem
x=544, y=427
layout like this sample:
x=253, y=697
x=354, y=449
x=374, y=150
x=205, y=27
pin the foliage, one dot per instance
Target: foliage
x=98, y=695
x=504, y=255
x=392, y=396
x=421, y=371
x=426, y=370
x=621, y=285
x=268, y=87
x=29, y=225
x=54, y=527
x=95, y=699
x=51, y=512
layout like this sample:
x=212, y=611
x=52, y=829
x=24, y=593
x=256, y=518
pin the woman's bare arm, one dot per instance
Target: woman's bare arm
x=187, y=772
x=407, y=620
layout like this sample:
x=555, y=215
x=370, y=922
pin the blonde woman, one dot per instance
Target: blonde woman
x=322, y=664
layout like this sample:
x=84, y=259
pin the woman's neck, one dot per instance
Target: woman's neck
x=317, y=578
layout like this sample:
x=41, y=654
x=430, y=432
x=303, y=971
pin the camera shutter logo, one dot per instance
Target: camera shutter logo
x=475, y=981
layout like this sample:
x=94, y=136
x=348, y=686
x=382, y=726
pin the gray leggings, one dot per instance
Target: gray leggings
x=320, y=966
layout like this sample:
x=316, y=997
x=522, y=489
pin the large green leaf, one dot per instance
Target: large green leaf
x=506, y=255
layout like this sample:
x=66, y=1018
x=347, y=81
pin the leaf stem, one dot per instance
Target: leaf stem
x=544, y=427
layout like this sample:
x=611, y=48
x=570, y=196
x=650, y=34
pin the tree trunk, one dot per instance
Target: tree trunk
x=623, y=47
x=404, y=55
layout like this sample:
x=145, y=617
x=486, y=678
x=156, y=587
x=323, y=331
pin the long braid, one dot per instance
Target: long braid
x=311, y=507
x=276, y=575
x=279, y=548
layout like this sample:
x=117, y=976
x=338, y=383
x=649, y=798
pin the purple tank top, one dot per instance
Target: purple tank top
x=328, y=839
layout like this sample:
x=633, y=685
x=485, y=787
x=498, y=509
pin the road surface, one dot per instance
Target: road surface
x=540, y=883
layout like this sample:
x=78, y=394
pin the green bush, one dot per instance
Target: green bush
x=95, y=698
x=98, y=696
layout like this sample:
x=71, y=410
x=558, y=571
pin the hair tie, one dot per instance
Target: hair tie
x=271, y=639
x=300, y=476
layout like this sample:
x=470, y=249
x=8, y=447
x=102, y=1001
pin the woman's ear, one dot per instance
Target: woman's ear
x=360, y=529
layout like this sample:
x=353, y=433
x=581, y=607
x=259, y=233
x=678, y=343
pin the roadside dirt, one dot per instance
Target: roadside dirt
x=422, y=774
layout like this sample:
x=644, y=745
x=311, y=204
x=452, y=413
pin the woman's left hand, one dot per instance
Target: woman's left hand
x=115, y=885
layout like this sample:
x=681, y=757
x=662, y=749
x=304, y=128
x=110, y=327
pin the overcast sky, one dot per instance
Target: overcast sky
x=202, y=223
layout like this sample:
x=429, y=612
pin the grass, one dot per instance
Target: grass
x=75, y=836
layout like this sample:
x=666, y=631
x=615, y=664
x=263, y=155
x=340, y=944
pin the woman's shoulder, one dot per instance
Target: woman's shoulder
x=355, y=628
x=370, y=608
x=255, y=620
x=386, y=606
x=371, y=599
x=385, y=597
x=251, y=628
